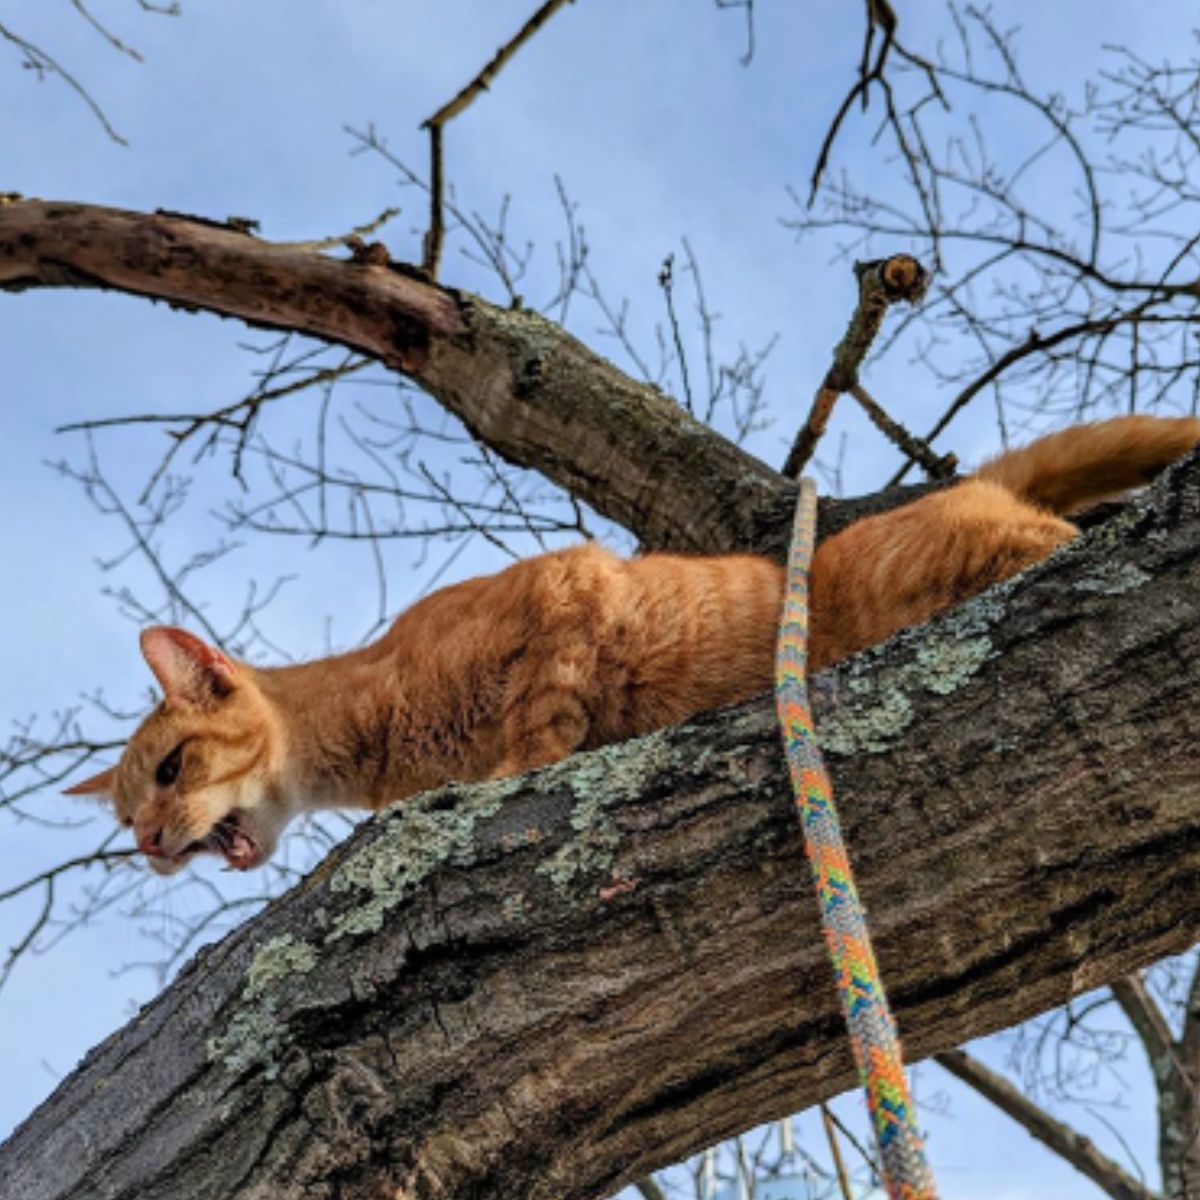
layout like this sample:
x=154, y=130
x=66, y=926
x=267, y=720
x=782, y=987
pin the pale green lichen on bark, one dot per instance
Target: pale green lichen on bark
x=939, y=658
x=414, y=839
x=1112, y=579
x=522, y=327
x=254, y=1033
x=867, y=727
x=590, y=849
x=599, y=779
x=945, y=665
x=277, y=959
x=948, y=653
x=594, y=838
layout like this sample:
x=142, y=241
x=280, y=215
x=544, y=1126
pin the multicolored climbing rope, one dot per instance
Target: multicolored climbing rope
x=906, y=1174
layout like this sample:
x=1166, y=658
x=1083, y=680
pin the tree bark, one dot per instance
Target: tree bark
x=520, y=383
x=517, y=381
x=548, y=986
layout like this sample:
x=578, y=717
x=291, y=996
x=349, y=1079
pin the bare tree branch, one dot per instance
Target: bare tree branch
x=649, y=1190
x=521, y=385
x=42, y=62
x=880, y=284
x=1148, y=1020
x=432, y=257
x=38, y=60
x=1073, y=311
x=1076, y=1149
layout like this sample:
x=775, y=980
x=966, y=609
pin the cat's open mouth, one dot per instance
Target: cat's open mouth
x=231, y=838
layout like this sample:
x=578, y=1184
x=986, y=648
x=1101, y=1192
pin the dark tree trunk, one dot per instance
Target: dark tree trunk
x=547, y=986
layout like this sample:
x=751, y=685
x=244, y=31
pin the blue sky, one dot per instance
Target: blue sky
x=657, y=131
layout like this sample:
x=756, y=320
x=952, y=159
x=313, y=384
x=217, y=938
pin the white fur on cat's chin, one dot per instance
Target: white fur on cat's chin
x=167, y=866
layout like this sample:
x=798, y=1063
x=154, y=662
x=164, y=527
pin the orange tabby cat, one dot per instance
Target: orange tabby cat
x=570, y=650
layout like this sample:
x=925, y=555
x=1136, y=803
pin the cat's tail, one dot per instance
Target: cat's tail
x=1088, y=463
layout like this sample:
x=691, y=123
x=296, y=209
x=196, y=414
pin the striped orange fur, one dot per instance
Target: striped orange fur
x=573, y=649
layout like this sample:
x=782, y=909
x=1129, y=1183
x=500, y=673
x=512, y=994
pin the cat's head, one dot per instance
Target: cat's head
x=202, y=773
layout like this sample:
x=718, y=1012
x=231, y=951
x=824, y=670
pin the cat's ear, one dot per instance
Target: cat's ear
x=189, y=670
x=103, y=784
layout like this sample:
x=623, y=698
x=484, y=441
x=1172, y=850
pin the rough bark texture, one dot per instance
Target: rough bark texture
x=520, y=383
x=547, y=986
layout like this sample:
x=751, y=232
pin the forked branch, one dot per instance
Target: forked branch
x=881, y=283
x=436, y=233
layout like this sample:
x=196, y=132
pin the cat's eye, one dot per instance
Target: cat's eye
x=167, y=771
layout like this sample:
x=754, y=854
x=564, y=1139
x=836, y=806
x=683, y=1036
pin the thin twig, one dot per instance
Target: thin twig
x=450, y=110
x=431, y=250
x=1036, y=343
x=835, y=1151
x=882, y=16
x=43, y=63
x=918, y=451
x=239, y=417
x=666, y=281
x=880, y=283
x=748, y=6
x=344, y=239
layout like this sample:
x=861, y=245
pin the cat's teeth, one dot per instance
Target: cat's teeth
x=241, y=847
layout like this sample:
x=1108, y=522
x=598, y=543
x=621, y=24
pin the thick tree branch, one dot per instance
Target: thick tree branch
x=524, y=386
x=1175, y=1078
x=1079, y=1151
x=649, y=1189
x=551, y=985
x=520, y=383
x=1173, y=1066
